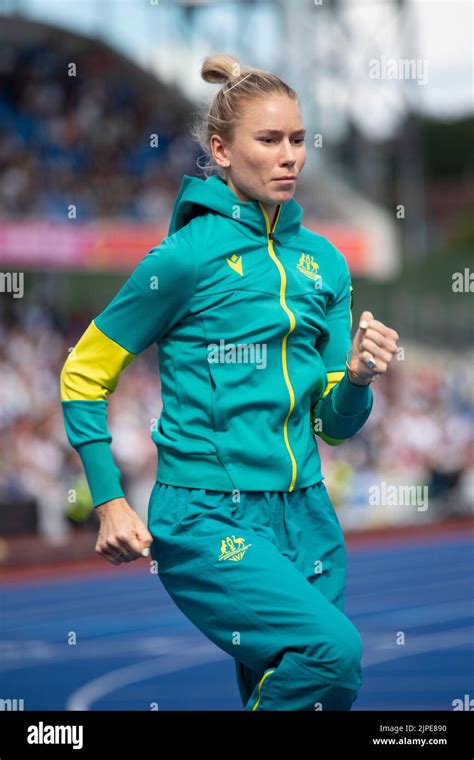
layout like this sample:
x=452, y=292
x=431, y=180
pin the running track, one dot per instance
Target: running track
x=136, y=649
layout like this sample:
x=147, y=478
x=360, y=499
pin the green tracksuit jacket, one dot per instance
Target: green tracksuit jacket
x=252, y=325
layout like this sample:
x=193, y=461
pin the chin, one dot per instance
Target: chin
x=284, y=195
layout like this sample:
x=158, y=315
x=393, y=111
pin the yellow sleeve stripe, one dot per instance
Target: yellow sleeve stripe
x=333, y=379
x=92, y=369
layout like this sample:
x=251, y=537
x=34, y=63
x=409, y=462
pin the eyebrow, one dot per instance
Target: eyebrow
x=277, y=132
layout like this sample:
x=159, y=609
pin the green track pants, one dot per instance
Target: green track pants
x=262, y=575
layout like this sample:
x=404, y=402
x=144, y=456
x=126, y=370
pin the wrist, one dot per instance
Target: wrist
x=112, y=504
x=356, y=379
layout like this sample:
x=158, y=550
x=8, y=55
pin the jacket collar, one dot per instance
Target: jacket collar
x=196, y=196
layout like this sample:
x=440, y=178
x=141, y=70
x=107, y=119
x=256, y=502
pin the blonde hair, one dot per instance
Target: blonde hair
x=240, y=84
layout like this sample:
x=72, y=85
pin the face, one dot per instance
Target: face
x=268, y=144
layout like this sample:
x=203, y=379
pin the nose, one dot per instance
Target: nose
x=289, y=155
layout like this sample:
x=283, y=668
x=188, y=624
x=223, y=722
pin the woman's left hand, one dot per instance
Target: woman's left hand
x=373, y=348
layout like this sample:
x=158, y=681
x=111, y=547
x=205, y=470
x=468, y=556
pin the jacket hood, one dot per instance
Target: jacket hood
x=196, y=196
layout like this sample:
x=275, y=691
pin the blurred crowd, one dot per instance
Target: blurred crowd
x=413, y=460
x=38, y=465
x=82, y=136
x=420, y=432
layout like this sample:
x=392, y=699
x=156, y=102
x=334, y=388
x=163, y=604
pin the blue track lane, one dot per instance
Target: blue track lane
x=136, y=651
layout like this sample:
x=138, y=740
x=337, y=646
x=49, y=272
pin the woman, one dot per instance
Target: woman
x=251, y=313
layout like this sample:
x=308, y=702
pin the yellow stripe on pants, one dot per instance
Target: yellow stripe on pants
x=260, y=686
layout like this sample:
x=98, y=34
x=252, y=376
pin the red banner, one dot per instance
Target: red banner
x=119, y=246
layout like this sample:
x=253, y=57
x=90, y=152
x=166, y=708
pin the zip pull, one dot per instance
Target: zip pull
x=271, y=236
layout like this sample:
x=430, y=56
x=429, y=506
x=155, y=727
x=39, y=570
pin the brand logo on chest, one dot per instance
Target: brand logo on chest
x=308, y=266
x=235, y=263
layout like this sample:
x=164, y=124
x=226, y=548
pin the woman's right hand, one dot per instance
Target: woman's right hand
x=122, y=534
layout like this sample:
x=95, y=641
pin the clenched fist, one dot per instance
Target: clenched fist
x=123, y=537
x=373, y=348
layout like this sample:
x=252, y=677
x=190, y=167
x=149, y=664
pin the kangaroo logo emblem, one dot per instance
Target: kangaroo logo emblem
x=308, y=266
x=233, y=548
x=235, y=263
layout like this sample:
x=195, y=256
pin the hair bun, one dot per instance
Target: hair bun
x=220, y=68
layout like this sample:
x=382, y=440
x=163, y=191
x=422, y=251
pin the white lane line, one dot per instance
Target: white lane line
x=86, y=695
x=428, y=613
x=409, y=588
x=418, y=645
x=21, y=654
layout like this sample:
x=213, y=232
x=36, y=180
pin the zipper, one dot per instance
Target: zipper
x=270, y=240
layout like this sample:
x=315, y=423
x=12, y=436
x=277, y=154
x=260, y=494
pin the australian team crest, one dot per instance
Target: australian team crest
x=233, y=548
x=308, y=266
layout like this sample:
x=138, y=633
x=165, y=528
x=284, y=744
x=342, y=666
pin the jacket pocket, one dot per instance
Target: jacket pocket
x=217, y=415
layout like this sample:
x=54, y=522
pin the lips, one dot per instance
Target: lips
x=284, y=179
